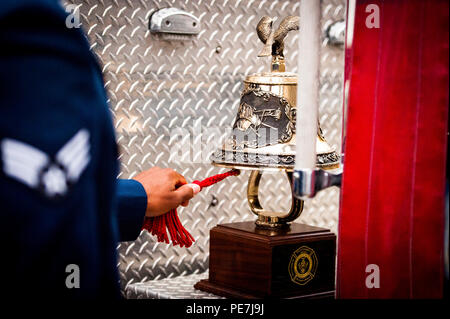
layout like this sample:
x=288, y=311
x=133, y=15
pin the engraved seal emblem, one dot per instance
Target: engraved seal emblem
x=303, y=265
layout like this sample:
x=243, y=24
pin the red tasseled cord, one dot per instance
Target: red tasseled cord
x=178, y=234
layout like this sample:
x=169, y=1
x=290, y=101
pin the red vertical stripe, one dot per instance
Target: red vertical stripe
x=393, y=186
x=427, y=249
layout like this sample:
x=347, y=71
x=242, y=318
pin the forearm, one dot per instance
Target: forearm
x=131, y=208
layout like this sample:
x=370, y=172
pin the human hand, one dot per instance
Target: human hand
x=166, y=190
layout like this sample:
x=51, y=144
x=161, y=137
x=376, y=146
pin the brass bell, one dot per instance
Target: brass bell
x=263, y=135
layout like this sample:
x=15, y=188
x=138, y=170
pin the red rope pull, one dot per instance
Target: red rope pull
x=159, y=225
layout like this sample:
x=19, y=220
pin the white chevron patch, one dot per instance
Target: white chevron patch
x=37, y=170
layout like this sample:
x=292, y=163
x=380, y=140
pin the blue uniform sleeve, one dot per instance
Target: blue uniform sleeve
x=132, y=204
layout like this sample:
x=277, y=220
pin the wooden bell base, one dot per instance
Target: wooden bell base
x=249, y=262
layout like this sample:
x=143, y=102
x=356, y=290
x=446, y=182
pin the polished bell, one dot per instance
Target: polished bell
x=263, y=135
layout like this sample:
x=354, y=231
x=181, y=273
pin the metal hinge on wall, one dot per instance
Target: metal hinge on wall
x=174, y=24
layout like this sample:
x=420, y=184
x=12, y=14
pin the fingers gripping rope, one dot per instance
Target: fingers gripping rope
x=159, y=225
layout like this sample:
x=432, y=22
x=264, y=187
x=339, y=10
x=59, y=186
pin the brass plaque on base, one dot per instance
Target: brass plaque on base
x=247, y=261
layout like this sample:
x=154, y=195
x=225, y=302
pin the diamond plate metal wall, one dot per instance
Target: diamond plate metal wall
x=158, y=86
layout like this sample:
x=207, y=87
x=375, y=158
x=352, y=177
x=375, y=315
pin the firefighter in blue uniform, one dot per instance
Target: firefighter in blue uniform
x=60, y=202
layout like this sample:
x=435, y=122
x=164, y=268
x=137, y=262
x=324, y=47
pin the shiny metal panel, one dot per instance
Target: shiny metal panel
x=180, y=287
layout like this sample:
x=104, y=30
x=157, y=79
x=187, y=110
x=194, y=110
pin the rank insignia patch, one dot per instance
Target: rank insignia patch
x=39, y=171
